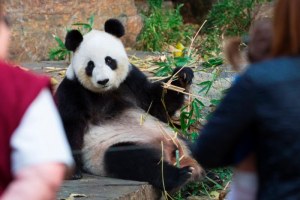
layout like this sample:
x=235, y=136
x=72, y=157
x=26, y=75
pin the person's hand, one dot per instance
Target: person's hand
x=39, y=182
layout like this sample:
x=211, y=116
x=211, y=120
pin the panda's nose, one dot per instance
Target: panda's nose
x=103, y=82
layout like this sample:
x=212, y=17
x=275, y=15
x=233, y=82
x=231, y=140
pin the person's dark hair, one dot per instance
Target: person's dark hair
x=260, y=43
x=286, y=40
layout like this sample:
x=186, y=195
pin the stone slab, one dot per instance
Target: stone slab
x=104, y=188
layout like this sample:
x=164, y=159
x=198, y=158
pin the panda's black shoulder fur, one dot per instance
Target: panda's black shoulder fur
x=151, y=96
x=76, y=100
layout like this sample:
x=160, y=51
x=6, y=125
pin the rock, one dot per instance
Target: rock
x=198, y=198
x=194, y=11
x=103, y=188
x=223, y=82
x=35, y=21
x=143, y=6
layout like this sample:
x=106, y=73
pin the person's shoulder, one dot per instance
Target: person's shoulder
x=20, y=87
x=18, y=72
x=274, y=62
x=273, y=70
x=15, y=76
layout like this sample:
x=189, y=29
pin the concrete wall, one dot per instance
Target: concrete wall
x=35, y=21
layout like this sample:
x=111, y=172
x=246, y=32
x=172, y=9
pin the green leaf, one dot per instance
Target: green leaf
x=80, y=24
x=183, y=118
x=204, y=83
x=206, y=86
x=200, y=103
x=197, y=106
x=164, y=71
x=191, y=122
x=213, y=62
x=215, y=102
x=59, y=41
x=162, y=64
x=194, y=136
x=91, y=20
x=182, y=61
x=225, y=91
x=85, y=26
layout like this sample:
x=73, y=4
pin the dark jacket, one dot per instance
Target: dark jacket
x=265, y=100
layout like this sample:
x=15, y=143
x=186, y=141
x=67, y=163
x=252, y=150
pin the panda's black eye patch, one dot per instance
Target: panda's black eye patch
x=89, y=68
x=112, y=63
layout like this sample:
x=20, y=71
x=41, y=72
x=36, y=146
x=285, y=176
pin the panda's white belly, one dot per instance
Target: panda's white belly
x=127, y=128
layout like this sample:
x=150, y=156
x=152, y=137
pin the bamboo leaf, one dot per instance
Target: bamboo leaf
x=91, y=20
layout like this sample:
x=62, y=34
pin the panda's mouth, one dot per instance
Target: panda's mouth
x=105, y=87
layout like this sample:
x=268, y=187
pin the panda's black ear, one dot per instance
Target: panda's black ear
x=73, y=40
x=114, y=27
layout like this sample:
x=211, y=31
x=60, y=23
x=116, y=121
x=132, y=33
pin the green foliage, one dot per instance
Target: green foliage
x=155, y=3
x=190, y=115
x=215, y=102
x=227, y=18
x=208, y=186
x=86, y=27
x=61, y=52
x=230, y=17
x=213, y=62
x=162, y=27
x=166, y=68
x=211, y=44
x=206, y=85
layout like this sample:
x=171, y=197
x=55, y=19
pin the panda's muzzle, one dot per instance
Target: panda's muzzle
x=103, y=82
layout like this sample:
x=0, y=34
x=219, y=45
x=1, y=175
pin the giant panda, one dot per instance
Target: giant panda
x=102, y=100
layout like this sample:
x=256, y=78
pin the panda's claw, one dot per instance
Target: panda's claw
x=185, y=174
x=77, y=175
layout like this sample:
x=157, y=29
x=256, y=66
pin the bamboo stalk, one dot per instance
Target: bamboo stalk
x=193, y=39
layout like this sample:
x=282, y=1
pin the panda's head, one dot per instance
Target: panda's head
x=100, y=62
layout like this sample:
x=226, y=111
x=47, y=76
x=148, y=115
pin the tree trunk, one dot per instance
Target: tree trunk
x=194, y=11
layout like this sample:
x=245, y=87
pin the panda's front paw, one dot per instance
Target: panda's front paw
x=185, y=174
x=77, y=174
x=185, y=76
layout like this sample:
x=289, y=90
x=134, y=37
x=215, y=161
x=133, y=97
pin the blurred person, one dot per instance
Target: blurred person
x=258, y=42
x=34, y=151
x=244, y=182
x=263, y=103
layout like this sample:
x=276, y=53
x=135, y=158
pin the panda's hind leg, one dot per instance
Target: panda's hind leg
x=135, y=162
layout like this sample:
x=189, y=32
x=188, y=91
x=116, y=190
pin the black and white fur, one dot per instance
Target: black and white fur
x=101, y=101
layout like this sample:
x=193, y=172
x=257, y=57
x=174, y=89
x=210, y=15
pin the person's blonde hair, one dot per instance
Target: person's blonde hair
x=286, y=40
